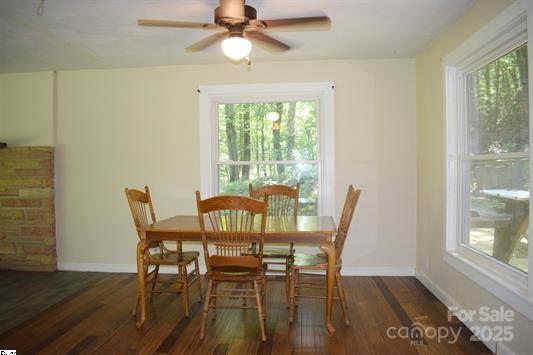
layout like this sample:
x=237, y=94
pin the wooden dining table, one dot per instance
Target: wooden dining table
x=315, y=230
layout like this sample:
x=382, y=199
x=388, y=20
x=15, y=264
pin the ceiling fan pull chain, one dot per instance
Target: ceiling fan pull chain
x=249, y=63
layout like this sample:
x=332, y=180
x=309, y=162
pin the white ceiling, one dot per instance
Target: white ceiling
x=82, y=34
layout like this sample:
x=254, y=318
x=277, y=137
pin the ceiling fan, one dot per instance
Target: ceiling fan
x=236, y=24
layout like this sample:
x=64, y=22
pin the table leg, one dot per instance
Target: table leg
x=505, y=239
x=141, y=248
x=329, y=249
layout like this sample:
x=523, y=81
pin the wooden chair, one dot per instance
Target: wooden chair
x=230, y=222
x=158, y=254
x=282, y=201
x=319, y=262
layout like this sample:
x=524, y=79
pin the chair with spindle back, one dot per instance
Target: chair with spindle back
x=158, y=254
x=230, y=224
x=282, y=201
x=319, y=262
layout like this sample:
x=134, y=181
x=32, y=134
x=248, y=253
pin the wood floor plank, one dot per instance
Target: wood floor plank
x=177, y=331
x=163, y=312
x=94, y=317
x=31, y=293
x=116, y=305
x=67, y=324
x=378, y=318
x=82, y=345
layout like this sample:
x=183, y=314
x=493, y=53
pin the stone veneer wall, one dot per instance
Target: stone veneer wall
x=27, y=213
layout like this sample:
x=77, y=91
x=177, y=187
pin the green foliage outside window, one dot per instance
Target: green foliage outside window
x=252, y=148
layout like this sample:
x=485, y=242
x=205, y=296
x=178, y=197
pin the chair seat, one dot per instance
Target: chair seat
x=173, y=258
x=276, y=252
x=312, y=261
x=238, y=273
x=271, y=252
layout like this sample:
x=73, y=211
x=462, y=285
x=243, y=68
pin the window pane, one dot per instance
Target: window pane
x=497, y=105
x=499, y=210
x=268, y=131
x=266, y=174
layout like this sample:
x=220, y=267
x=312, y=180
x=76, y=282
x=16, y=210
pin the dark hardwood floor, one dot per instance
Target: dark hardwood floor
x=24, y=294
x=75, y=312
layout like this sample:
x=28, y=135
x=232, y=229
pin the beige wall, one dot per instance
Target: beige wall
x=26, y=109
x=430, y=171
x=131, y=127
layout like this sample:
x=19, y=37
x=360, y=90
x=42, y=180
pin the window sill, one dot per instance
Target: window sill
x=511, y=286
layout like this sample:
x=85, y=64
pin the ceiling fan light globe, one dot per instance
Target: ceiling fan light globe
x=236, y=48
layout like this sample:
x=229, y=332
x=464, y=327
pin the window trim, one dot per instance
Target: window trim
x=504, y=33
x=323, y=92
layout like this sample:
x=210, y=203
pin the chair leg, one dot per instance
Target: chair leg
x=243, y=293
x=263, y=297
x=154, y=281
x=206, y=308
x=214, y=301
x=260, y=314
x=342, y=297
x=287, y=282
x=198, y=280
x=185, y=283
x=292, y=275
x=296, y=279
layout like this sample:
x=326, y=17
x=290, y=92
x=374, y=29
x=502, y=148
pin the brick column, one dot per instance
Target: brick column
x=27, y=213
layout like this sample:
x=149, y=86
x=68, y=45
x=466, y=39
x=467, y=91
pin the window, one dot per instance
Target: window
x=269, y=143
x=495, y=163
x=488, y=169
x=269, y=134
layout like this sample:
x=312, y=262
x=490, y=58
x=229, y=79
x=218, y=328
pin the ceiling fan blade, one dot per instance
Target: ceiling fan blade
x=177, y=24
x=266, y=42
x=317, y=23
x=206, y=42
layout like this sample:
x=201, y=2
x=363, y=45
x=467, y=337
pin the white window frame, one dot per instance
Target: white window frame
x=504, y=33
x=322, y=93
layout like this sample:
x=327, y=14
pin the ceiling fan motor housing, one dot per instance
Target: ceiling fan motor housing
x=234, y=12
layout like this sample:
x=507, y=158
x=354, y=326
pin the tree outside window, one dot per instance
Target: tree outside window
x=269, y=143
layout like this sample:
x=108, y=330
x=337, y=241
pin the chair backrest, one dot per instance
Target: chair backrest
x=352, y=197
x=231, y=221
x=282, y=199
x=141, y=205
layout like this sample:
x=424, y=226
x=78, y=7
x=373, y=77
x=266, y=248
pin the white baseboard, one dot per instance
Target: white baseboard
x=497, y=347
x=378, y=271
x=436, y=290
x=97, y=267
x=346, y=271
